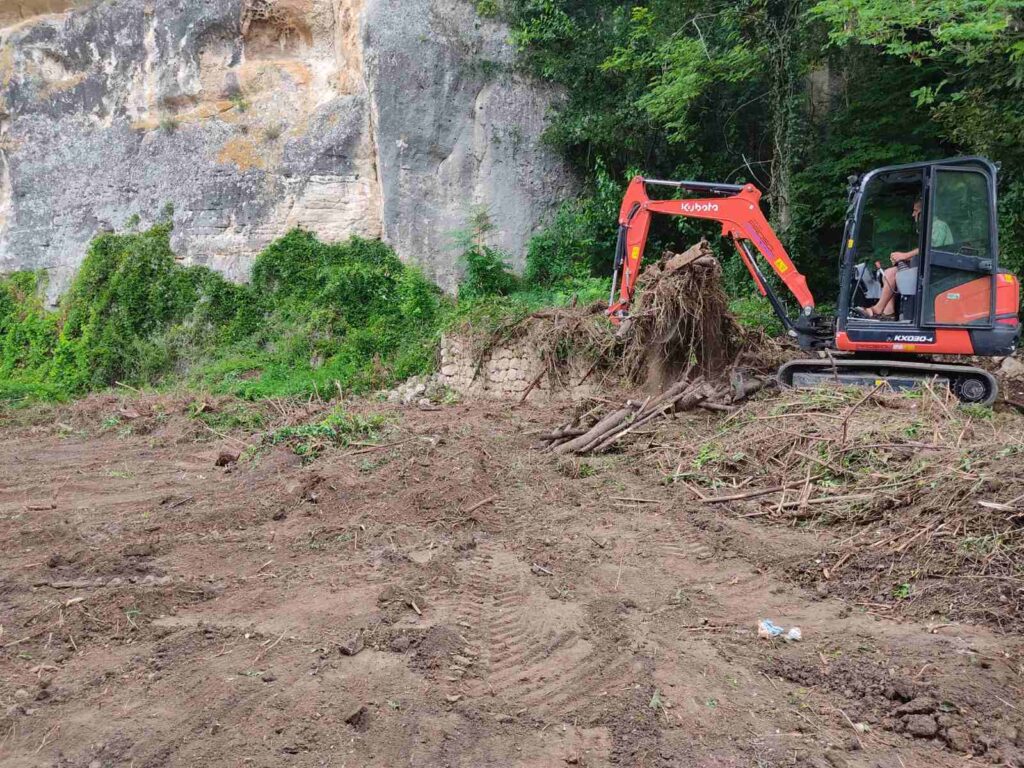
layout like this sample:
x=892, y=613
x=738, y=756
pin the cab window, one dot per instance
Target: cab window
x=961, y=250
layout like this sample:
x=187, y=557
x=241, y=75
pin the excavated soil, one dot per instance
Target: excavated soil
x=448, y=597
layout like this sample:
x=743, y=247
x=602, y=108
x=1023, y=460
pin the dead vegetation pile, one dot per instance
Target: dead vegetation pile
x=925, y=497
x=681, y=342
x=679, y=326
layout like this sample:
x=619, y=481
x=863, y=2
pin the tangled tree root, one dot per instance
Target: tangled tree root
x=680, y=341
x=680, y=321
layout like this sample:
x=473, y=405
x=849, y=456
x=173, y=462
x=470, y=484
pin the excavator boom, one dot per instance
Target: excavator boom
x=736, y=207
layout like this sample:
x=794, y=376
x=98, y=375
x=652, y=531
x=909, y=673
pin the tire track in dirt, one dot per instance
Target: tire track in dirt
x=533, y=653
x=675, y=541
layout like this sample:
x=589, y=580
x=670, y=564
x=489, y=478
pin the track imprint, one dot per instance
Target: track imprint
x=530, y=651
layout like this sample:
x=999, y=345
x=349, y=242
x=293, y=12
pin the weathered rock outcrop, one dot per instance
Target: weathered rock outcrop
x=392, y=118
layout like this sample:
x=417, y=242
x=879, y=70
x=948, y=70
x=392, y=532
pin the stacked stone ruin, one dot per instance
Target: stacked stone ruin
x=508, y=370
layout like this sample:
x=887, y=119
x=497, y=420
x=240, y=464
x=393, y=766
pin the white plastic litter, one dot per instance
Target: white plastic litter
x=769, y=630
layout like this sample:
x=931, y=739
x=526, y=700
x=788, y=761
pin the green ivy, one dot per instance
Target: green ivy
x=315, y=317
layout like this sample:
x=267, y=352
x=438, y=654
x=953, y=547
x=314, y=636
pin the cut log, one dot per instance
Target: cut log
x=607, y=423
x=563, y=433
x=698, y=252
x=684, y=401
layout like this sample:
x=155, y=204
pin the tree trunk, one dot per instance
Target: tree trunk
x=782, y=27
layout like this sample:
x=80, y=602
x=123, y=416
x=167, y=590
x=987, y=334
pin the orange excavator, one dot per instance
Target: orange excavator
x=947, y=295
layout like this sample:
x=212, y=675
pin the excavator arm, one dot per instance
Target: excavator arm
x=738, y=208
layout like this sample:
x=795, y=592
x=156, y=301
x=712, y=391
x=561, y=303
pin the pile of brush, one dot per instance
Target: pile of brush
x=917, y=489
x=681, y=341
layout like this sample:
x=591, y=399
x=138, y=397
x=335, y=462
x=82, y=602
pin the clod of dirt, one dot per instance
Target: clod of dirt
x=227, y=457
x=923, y=705
x=395, y=601
x=145, y=549
x=268, y=677
x=959, y=739
x=902, y=690
x=305, y=489
x=359, y=718
x=922, y=726
x=55, y=560
x=438, y=645
x=352, y=646
x=401, y=643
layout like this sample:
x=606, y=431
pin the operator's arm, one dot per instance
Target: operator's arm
x=898, y=256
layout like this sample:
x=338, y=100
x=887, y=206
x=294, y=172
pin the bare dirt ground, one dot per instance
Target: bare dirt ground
x=452, y=597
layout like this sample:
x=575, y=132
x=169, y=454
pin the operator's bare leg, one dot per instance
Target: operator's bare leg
x=887, y=303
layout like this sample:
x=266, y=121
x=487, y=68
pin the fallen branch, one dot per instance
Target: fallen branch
x=605, y=425
x=750, y=494
x=480, y=503
x=530, y=388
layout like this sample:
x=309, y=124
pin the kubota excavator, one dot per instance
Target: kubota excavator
x=951, y=296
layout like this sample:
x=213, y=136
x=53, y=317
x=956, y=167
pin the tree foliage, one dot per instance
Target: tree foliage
x=792, y=95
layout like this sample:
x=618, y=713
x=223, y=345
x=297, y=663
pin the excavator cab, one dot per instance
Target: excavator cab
x=949, y=296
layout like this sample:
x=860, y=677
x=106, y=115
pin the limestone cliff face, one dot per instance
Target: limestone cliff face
x=383, y=118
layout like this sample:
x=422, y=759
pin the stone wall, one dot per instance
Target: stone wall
x=508, y=371
x=382, y=118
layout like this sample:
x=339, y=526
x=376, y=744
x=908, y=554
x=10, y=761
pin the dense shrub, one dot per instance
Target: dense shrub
x=127, y=293
x=28, y=334
x=315, y=316
x=487, y=273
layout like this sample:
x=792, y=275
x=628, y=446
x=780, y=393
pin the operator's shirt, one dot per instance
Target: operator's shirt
x=941, y=234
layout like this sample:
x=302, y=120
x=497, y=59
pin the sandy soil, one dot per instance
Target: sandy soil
x=455, y=598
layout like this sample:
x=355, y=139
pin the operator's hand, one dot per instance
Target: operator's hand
x=898, y=256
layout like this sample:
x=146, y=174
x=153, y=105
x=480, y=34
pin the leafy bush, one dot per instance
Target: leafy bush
x=128, y=291
x=487, y=274
x=486, y=271
x=486, y=314
x=756, y=313
x=338, y=428
x=580, y=241
x=316, y=317
x=28, y=332
x=346, y=315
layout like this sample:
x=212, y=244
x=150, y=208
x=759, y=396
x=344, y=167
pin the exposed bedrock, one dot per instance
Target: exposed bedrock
x=244, y=118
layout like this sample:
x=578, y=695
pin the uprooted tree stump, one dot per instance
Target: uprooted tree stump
x=679, y=320
x=679, y=340
x=679, y=328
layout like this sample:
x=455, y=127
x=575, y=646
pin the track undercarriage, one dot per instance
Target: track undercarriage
x=968, y=384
